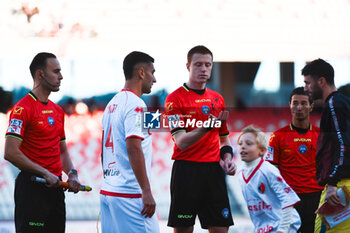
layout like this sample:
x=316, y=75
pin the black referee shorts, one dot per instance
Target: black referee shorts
x=306, y=208
x=37, y=207
x=199, y=189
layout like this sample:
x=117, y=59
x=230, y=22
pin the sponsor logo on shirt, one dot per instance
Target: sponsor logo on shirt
x=169, y=107
x=15, y=126
x=111, y=170
x=259, y=206
x=302, y=139
x=47, y=111
x=202, y=100
x=18, y=110
x=266, y=229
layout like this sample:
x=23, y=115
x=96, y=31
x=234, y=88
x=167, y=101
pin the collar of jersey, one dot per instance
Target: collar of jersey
x=253, y=172
x=291, y=126
x=126, y=89
x=32, y=95
x=330, y=95
x=199, y=92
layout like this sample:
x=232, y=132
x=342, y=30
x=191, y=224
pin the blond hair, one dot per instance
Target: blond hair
x=260, y=136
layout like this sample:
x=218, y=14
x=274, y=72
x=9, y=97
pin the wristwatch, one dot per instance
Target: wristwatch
x=73, y=171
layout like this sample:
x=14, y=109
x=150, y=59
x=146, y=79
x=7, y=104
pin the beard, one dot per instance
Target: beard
x=146, y=90
x=317, y=93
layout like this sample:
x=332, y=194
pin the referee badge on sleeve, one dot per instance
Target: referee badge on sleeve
x=269, y=154
x=174, y=121
x=15, y=126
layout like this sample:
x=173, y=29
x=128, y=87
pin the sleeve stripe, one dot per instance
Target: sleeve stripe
x=225, y=135
x=176, y=130
x=134, y=136
x=290, y=205
x=14, y=136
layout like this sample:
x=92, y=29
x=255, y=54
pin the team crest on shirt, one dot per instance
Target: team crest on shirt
x=51, y=120
x=15, y=126
x=261, y=188
x=302, y=149
x=138, y=110
x=205, y=109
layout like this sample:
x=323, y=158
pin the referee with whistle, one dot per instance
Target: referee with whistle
x=35, y=143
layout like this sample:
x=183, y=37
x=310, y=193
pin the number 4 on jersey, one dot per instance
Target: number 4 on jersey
x=109, y=141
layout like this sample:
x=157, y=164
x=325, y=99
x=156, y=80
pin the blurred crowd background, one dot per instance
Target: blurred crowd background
x=259, y=47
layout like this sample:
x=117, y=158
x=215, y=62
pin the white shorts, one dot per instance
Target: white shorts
x=123, y=215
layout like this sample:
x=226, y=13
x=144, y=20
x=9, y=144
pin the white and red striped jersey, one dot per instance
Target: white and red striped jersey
x=122, y=120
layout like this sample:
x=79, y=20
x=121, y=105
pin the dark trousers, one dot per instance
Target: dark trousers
x=306, y=208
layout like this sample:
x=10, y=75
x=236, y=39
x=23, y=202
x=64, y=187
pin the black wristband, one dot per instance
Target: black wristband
x=224, y=150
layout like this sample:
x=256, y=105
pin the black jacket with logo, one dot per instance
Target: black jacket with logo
x=333, y=144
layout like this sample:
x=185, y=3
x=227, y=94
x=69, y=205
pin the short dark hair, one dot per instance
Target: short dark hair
x=39, y=62
x=132, y=59
x=319, y=68
x=300, y=91
x=198, y=49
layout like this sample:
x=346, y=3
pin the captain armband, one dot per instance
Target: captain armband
x=224, y=150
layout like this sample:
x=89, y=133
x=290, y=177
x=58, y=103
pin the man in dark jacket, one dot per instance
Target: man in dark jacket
x=333, y=145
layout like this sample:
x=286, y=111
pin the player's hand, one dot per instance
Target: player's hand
x=74, y=184
x=223, y=115
x=332, y=196
x=149, y=205
x=229, y=166
x=52, y=181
